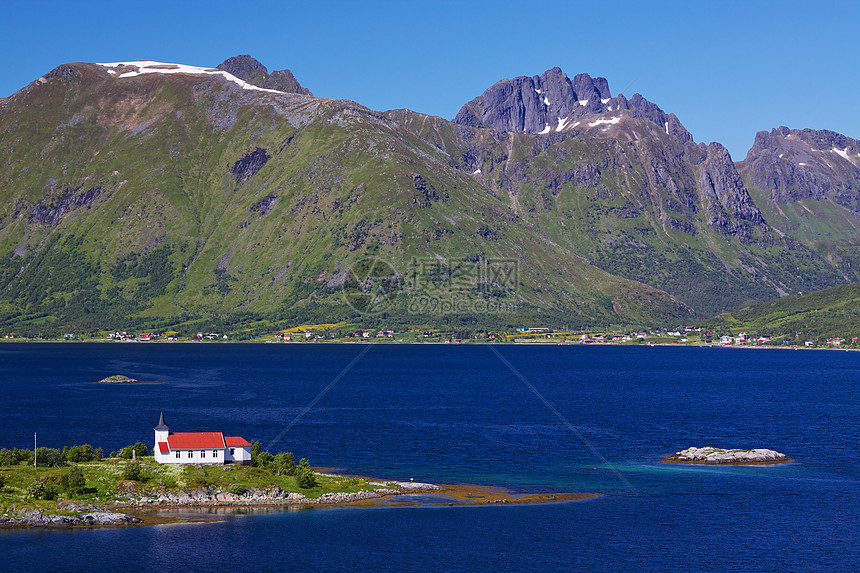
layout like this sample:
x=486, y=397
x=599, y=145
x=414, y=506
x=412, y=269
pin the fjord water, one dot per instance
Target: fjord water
x=457, y=414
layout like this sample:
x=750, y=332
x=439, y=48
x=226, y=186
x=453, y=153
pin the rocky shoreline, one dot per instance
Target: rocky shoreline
x=79, y=515
x=711, y=455
x=211, y=496
x=86, y=514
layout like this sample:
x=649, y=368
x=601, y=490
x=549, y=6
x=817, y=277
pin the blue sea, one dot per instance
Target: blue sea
x=530, y=419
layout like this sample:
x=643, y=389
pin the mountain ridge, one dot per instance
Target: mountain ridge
x=146, y=191
x=180, y=196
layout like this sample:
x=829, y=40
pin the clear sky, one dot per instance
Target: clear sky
x=726, y=68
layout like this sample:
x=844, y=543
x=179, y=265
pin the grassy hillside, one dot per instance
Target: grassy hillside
x=818, y=315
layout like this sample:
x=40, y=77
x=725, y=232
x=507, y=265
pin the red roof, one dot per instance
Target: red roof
x=163, y=447
x=195, y=440
x=235, y=442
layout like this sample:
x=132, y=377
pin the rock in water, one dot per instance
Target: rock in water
x=118, y=379
x=710, y=455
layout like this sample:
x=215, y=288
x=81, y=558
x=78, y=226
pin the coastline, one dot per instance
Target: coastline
x=452, y=344
x=156, y=512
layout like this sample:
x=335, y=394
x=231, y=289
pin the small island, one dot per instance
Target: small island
x=715, y=456
x=119, y=379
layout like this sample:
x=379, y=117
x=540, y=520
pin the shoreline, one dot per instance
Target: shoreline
x=395, y=342
x=406, y=494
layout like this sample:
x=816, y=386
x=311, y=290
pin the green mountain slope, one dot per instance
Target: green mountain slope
x=175, y=198
x=833, y=312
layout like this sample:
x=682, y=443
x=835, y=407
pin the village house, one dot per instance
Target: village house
x=208, y=448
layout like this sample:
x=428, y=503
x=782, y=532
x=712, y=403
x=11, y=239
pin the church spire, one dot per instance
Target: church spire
x=161, y=425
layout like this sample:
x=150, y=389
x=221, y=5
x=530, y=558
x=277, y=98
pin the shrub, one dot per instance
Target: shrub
x=138, y=448
x=8, y=457
x=132, y=471
x=72, y=481
x=41, y=489
x=36, y=490
x=78, y=454
x=49, y=457
x=237, y=489
x=284, y=463
x=264, y=459
x=259, y=458
x=304, y=475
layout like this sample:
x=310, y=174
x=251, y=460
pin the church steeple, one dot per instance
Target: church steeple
x=162, y=434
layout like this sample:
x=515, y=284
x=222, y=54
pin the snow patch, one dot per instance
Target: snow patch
x=611, y=121
x=561, y=123
x=605, y=101
x=150, y=67
x=583, y=102
x=545, y=130
x=667, y=128
x=842, y=152
x=538, y=91
x=476, y=172
x=804, y=164
x=545, y=101
x=575, y=124
x=780, y=155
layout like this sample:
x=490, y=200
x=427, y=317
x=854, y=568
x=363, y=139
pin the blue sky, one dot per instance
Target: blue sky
x=727, y=69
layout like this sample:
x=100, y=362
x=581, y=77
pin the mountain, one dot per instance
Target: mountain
x=250, y=70
x=807, y=183
x=156, y=194
x=622, y=183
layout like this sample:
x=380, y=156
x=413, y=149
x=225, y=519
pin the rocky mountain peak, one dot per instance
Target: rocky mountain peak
x=796, y=164
x=252, y=71
x=552, y=102
x=530, y=104
x=246, y=68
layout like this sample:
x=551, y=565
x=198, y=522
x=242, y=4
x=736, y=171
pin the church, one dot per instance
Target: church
x=198, y=447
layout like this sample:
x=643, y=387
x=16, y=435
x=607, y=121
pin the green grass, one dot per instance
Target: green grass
x=817, y=315
x=105, y=484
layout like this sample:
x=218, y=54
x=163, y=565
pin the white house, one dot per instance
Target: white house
x=198, y=447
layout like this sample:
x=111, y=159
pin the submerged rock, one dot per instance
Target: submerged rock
x=711, y=455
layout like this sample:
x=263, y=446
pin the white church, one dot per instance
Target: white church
x=198, y=447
